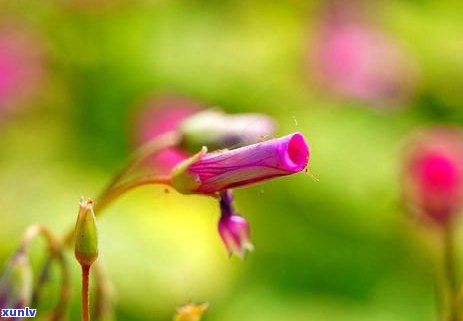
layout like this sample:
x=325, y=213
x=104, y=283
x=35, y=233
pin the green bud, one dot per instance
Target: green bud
x=86, y=234
x=16, y=282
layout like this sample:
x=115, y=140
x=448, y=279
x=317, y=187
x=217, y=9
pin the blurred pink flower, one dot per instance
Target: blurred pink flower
x=161, y=116
x=434, y=173
x=209, y=173
x=21, y=66
x=357, y=61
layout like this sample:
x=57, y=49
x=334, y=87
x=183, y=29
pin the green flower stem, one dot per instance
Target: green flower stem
x=450, y=270
x=107, y=198
x=120, y=190
x=42, y=279
x=36, y=230
x=116, y=188
x=111, y=195
x=85, y=293
x=168, y=139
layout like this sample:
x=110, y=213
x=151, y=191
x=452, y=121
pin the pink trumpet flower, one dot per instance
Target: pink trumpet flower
x=233, y=229
x=209, y=173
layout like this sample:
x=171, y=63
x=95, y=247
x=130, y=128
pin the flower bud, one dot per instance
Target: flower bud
x=191, y=312
x=216, y=130
x=16, y=282
x=233, y=229
x=86, y=234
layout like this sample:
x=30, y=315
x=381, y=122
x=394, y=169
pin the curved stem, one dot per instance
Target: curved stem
x=120, y=190
x=116, y=191
x=109, y=194
x=168, y=139
x=56, y=252
x=36, y=230
x=43, y=277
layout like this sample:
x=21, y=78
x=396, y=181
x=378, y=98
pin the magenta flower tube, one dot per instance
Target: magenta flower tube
x=209, y=173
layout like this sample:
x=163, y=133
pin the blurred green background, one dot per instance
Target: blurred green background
x=339, y=248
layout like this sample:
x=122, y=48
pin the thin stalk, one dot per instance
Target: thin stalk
x=450, y=270
x=43, y=278
x=85, y=293
x=122, y=189
x=36, y=230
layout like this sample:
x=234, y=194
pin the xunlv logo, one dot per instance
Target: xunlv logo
x=25, y=313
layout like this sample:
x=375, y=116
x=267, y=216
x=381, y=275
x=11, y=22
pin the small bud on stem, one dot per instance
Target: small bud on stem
x=86, y=248
x=86, y=245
